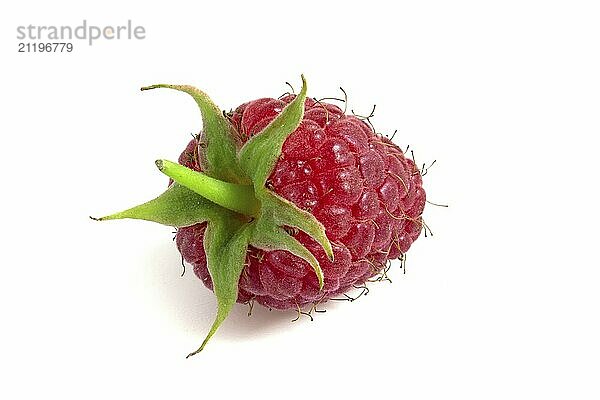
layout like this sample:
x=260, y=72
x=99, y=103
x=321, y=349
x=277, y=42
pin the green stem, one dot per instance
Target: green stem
x=235, y=197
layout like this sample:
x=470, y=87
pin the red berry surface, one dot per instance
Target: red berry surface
x=359, y=185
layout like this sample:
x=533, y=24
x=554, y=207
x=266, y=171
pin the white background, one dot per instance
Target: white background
x=502, y=302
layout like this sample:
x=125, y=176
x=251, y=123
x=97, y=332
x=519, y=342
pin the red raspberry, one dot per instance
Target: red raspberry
x=301, y=202
x=359, y=185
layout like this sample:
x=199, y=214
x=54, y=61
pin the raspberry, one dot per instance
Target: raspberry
x=359, y=185
x=285, y=201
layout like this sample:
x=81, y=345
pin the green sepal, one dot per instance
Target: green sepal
x=220, y=147
x=225, y=244
x=178, y=206
x=286, y=213
x=260, y=154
